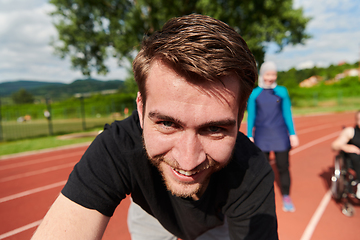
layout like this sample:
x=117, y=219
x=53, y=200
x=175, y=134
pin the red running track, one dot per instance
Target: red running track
x=29, y=183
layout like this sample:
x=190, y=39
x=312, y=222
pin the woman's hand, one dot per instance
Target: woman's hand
x=294, y=141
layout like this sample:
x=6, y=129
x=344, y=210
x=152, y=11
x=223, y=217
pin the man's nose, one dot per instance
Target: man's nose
x=188, y=151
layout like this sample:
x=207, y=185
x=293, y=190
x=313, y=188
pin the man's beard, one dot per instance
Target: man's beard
x=185, y=193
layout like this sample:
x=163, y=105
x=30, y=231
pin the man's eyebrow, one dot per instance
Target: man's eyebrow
x=224, y=123
x=156, y=115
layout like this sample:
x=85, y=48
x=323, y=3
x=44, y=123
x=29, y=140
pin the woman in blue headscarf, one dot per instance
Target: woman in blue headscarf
x=269, y=112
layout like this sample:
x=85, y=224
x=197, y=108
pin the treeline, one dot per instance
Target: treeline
x=346, y=87
x=104, y=105
x=57, y=91
x=293, y=77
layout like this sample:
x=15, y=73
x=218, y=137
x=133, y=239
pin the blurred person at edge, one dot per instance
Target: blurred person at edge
x=349, y=142
x=269, y=112
x=190, y=172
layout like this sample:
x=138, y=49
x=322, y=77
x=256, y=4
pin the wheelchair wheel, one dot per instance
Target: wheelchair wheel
x=348, y=210
x=337, y=179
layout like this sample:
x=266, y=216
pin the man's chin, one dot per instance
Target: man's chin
x=183, y=190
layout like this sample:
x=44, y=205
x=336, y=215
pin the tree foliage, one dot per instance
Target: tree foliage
x=92, y=30
x=22, y=96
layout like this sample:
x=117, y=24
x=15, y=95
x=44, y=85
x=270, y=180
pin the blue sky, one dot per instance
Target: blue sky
x=26, y=30
x=335, y=30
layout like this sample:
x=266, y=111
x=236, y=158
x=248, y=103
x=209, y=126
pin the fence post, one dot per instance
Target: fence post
x=47, y=114
x=315, y=96
x=339, y=97
x=1, y=131
x=83, y=112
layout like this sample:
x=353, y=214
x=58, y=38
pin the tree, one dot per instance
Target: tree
x=91, y=30
x=22, y=96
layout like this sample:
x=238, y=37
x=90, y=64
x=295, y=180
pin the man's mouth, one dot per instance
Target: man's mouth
x=189, y=173
x=186, y=173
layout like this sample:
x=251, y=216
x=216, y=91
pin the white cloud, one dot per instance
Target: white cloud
x=336, y=32
x=26, y=54
x=24, y=45
x=307, y=64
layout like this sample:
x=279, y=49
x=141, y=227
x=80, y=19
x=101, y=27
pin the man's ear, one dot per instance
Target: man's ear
x=140, y=108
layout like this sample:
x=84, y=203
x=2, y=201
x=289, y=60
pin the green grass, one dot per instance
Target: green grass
x=325, y=106
x=13, y=130
x=25, y=145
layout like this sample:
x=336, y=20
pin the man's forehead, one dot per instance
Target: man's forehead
x=229, y=83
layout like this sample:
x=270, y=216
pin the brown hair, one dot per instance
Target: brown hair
x=198, y=47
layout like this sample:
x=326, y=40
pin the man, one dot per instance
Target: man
x=190, y=173
x=349, y=142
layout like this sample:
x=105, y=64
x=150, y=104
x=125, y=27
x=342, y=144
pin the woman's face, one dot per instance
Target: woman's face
x=269, y=77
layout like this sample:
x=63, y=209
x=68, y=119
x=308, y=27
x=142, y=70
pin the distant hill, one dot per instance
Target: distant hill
x=59, y=90
x=7, y=88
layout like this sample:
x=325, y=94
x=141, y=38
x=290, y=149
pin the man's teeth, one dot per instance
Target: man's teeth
x=186, y=173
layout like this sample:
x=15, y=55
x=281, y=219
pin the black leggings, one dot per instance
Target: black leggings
x=282, y=164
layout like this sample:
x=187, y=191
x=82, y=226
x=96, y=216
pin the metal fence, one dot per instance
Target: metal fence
x=20, y=122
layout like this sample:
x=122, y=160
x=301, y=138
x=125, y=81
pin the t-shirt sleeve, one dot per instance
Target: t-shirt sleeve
x=251, y=214
x=100, y=180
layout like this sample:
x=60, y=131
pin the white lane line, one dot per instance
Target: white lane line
x=314, y=142
x=20, y=229
x=312, y=129
x=41, y=160
x=310, y=144
x=32, y=191
x=310, y=228
x=45, y=170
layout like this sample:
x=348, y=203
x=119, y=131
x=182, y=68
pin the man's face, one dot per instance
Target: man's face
x=189, y=130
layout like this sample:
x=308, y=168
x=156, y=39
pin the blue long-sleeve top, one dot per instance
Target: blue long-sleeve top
x=269, y=111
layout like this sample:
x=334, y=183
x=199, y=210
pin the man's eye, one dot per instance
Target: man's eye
x=167, y=124
x=215, y=132
x=214, y=129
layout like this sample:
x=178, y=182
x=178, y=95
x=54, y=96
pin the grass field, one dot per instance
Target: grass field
x=332, y=105
x=30, y=130
x=13, y=130
x=26, y=145
x=34, y=135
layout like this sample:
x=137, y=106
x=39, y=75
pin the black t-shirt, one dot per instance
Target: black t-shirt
x=356, y=138
x=116, y=165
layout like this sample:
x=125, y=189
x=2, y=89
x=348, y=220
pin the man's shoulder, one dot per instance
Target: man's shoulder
x=246, y=148
x=249, y=179
x=126, y=133
x=247, y=156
